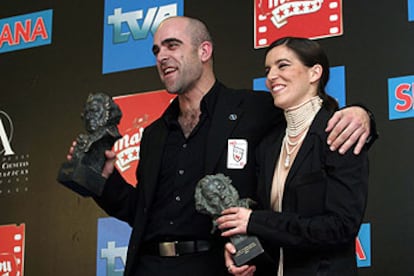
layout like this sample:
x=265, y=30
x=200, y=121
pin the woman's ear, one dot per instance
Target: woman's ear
x=205, y=51
x=316, y=73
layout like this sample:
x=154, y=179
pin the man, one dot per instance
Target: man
x=207, y=129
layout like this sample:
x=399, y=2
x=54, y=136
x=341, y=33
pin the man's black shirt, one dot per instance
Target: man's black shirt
x=173, y=215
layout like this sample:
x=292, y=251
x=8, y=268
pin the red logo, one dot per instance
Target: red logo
x=237, y=154
x=12, y=250
x=360, y=250
x=304, y=18
x=138, y=111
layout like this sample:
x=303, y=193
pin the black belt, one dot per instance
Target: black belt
x=175, y=248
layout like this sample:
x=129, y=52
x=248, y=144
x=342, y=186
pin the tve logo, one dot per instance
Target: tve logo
x=401, y=97
x=128, y=29
x=363, y=246
x=113, y=237
x=335, y=86
x=26, y=31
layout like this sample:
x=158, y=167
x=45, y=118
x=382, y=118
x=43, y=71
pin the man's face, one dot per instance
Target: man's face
x=178, y=61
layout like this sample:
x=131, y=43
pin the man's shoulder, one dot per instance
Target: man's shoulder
x=248, y=95
x=244, y=91
x=158, y=123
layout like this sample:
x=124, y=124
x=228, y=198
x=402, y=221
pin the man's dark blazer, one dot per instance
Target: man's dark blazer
x=252, y=115
x=323, y=204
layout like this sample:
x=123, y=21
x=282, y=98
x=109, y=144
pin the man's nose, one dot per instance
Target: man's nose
x=162, y=56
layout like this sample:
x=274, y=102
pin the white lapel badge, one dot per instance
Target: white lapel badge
x=236, y=153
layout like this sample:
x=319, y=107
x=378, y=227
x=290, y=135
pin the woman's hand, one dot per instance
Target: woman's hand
x=245, y=270
x=233, y=221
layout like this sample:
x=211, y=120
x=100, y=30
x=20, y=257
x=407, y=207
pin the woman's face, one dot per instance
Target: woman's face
x=288, y=79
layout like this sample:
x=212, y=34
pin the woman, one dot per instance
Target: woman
x=313, y=199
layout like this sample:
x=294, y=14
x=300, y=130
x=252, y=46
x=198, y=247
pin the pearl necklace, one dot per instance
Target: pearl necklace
x=294, y=145
x=299, y=119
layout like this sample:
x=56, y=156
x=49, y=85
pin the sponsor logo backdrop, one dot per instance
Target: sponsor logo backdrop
x=54, y=54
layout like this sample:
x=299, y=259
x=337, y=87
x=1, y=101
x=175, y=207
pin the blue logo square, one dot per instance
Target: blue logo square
x=400, y=97
x=113, y=238
x=26, y=31
x=128, y=31
x=410, y=10
x=363, y=246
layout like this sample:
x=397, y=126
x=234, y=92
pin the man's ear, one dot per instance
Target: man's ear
x=205, y=51
x=316, y=73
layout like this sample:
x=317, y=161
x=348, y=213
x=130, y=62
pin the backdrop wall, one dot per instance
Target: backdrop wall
x=46, y=81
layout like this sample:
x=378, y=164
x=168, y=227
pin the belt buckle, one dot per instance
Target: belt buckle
x=167, y=249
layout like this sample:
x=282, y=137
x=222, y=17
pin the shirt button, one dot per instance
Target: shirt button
x=184, y=146
x=171, y=222
x=181, y=172
x=178, y=198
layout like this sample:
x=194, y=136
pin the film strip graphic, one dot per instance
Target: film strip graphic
x=313, y=19
x=12, y=249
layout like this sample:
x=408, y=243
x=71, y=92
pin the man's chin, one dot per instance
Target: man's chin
x=174, y=91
